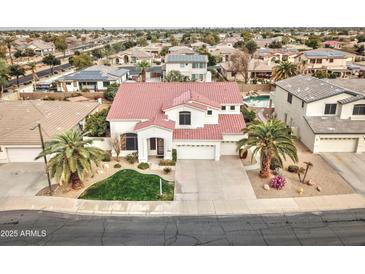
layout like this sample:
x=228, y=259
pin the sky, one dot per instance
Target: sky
x=182, y=13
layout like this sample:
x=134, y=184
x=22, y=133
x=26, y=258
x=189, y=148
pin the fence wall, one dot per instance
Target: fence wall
x=58, y=95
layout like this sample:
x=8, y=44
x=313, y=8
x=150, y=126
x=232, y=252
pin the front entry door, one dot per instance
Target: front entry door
x=160, y=147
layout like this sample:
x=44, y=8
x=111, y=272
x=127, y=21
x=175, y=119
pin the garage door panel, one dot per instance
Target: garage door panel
x=195, y=152
x=338, y=145
x=18, y=155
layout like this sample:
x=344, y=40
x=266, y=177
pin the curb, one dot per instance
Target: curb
x=184, y=208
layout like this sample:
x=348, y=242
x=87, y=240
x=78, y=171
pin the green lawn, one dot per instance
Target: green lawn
x=130, y=185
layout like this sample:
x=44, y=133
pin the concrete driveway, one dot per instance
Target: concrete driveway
x=208, y=180
x=22, y=179
x=350, y=166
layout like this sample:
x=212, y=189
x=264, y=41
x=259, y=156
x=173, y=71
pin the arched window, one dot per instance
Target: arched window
x=129, y=141
x=185, y=118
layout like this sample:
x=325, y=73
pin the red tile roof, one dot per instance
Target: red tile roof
x=208, y=132
x=145, y=100
x=228, y=124
x=160, y=122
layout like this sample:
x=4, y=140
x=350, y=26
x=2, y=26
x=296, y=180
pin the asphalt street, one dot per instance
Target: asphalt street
x=42, y=73
x=45, y=228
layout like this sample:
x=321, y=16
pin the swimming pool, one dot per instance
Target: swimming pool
x=261, y=101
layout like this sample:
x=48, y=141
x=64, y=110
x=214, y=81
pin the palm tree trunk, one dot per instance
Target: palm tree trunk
x=75, y=181
x=1, y=91
x=11, y=58
x=17, y=80
x=143, y=75
x=265, y=166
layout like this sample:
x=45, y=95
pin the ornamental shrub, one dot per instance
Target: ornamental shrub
x=131, y=158
x=143, y=166
x=167, y=170
x=293, y=168
x=278, y=182
x=167, y=163
x=174, y=155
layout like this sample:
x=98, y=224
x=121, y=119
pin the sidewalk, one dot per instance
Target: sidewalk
x=181, y=208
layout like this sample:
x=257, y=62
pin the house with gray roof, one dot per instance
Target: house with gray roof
x=194, y=67
x=326, y=115
x=95, y=78
x=326, y=59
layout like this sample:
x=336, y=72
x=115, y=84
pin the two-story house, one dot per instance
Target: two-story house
x=95, y=78
x=329, y=60
x=325, y=116
x=199, y=120
x=193, y=67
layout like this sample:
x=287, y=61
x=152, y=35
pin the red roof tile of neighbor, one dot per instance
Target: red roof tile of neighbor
x=145, y=100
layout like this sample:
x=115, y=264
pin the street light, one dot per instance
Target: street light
x=44, y=156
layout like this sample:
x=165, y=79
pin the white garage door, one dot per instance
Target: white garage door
x=185, y=152
x=23, y=154
x=338, y=144
x=228, y=148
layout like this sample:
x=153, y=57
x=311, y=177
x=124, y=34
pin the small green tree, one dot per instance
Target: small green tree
x=111, y=91
x=251, y=46
x=81, y=61
x=175, y=76
x=97, y=125
x=51, y=61
x=17, y=71
x=4, y=75
x=61, y=44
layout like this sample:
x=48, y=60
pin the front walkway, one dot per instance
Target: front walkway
x=209, y=180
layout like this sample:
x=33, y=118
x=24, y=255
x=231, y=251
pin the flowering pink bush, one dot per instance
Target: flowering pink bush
x=278, y=182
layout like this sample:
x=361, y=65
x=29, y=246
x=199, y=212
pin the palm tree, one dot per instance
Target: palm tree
x=35, y=78
x=143, y=65
x=283, y=70
x=4, y=75
x=71, y=158
x=270, y=139
x=9, y=41
x=16, y=70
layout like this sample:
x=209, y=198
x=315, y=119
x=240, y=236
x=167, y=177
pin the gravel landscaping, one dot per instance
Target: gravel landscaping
x=321, y=174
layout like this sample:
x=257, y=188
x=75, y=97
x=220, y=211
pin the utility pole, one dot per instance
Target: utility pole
x=44, y=157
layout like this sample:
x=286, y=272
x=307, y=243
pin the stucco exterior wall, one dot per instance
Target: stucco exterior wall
x=347, y=110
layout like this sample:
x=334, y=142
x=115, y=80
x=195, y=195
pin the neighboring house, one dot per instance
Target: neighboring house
x=230, y=41
x=198, y=45
x=95, y=78
x=153, y=73
x=224, y=51
x=199, y=120
x=332, y=44
x=18, y=143
x=330, y=60
x=178, y=50
x=133, y=56
x=277, y=55
x=258, y=70
x=326, y=116
x=42, y=48
x=192, y=66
